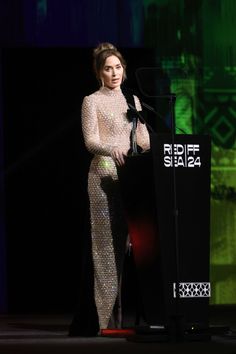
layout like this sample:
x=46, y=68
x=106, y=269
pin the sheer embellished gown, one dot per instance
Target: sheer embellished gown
x=105, y=126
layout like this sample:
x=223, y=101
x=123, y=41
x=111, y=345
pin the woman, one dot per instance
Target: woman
x=106, y=131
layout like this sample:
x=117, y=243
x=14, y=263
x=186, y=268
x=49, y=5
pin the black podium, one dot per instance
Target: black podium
x=166, y=195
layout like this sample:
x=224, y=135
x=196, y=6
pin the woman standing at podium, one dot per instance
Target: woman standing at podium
x=106, y=131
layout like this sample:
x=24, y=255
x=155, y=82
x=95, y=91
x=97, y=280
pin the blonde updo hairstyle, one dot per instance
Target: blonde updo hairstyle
x=101, y=53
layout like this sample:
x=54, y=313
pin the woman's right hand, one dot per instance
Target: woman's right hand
x=118, y=156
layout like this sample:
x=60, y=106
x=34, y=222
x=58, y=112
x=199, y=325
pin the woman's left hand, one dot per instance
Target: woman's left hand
x=118, y=156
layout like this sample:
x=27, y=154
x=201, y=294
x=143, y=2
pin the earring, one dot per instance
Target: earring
x=102, y=82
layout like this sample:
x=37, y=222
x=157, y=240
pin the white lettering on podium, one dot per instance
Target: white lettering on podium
x=182, y=155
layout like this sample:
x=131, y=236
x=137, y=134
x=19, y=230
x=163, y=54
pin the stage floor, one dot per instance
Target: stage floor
x=30, y=334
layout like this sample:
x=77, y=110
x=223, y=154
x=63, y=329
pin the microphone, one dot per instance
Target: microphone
x=148, y=107
x=141, y=118
x=134, y=110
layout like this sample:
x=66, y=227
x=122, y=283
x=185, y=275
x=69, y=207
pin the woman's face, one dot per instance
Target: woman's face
x=112, y=72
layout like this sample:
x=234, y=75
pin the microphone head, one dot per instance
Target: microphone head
x=132, y=107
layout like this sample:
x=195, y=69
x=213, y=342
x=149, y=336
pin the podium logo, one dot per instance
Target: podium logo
x=186, y=155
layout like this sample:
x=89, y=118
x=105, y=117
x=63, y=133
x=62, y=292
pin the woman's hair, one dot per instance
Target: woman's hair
x=101, y=53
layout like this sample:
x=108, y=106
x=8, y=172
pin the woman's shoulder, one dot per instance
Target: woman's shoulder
x=137, y=103
x=92, y=96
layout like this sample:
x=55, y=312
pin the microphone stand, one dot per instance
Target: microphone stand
x=140, y=117
x=134, y=147
x=177, y=330
x=176, y=322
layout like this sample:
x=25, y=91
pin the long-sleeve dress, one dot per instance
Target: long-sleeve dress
x=105, y=126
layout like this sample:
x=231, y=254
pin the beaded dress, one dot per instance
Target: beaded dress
x=106, y=126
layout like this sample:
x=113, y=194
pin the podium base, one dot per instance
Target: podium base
x=161, y=334
x=148, y=334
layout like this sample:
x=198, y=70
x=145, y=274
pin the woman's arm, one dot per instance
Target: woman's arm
x=90, y=128
x=143, y=138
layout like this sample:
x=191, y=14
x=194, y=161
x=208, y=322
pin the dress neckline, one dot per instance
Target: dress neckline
x=110, y=92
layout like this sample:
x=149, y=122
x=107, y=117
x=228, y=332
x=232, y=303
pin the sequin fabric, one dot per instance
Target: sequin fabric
x=105, y=126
